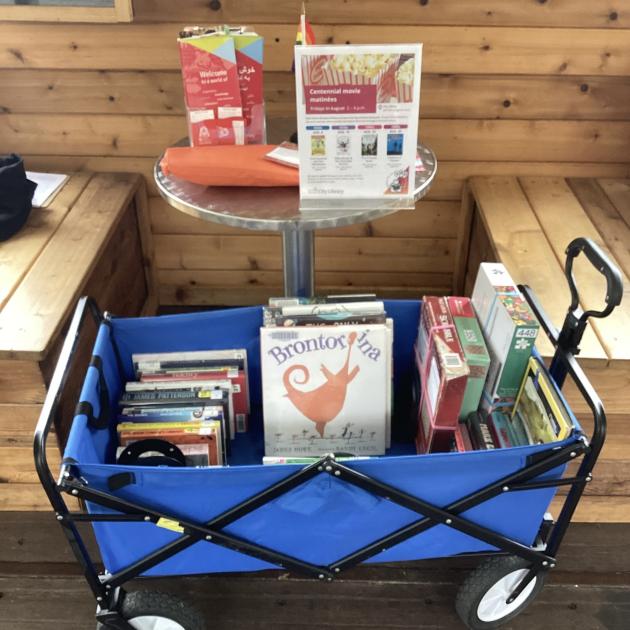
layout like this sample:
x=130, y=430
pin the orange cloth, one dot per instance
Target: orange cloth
x=234, y=165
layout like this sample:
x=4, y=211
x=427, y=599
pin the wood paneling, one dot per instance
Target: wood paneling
x=118, y=11
x=420, y=597
x=35, y=540
x=496, y=140
x=33, y=317
x=619, y=193
x=19, y=253
x=530, y=258
x=17, y=466
x=447, y=185
x=92, y=134
x=509, y=87
x=447, y=49
x=598, y=509
x=606, y=217
x=443, y=96
x=233, y=287
x=174, y=295
x=21, y=382
x=562, y=219
x=559, y=13
x=18, y=421
x=333, y=253
x=437, y=218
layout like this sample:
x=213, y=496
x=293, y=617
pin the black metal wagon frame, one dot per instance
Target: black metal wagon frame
x=108, y=588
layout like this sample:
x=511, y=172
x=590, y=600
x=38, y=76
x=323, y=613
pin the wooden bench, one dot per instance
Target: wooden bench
x=526, y=223
x=94, y=238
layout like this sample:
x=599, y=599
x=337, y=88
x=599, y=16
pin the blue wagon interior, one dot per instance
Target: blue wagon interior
x=318, y=521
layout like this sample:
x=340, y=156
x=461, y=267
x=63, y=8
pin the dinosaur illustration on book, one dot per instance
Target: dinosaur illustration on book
x=324, y=403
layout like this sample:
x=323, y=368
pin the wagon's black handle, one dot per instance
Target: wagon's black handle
x=576, y=319
x=55, y=389
x=564, y=362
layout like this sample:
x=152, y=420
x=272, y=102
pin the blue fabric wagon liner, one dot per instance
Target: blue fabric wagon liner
x=319, y=521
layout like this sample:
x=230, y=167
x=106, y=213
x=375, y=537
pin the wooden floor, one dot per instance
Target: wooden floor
x=40, y=588
x=393, y=598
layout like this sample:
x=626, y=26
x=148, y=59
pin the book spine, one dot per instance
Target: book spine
x=501, y=432
x=314, y=320
x=182, y=364
x=353, y=308
x=522, y=439
x=186, y=375
x=480, y=434
x=186, y=426
x=349, y=297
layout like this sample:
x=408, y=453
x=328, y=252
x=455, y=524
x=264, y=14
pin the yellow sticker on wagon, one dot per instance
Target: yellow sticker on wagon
x=169, y=524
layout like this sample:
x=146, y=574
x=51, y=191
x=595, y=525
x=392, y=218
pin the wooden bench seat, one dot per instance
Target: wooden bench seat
x=526, y=223
x=94, y=239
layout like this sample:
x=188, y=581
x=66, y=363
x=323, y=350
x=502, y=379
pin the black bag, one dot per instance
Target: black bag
x=16, y=195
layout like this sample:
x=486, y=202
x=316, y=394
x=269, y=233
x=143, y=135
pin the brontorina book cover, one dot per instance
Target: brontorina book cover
x=325, y=389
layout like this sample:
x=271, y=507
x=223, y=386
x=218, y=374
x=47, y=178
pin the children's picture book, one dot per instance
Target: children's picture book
x=325, y=389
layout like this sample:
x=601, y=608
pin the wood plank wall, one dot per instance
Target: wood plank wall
x=529, y=87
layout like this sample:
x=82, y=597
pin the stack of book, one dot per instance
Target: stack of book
x=196, y=401
x=327, y=376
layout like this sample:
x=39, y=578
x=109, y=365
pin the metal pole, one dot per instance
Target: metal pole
x=298, y=251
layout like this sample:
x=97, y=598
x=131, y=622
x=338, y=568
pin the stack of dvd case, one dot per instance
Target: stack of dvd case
x=194, y=402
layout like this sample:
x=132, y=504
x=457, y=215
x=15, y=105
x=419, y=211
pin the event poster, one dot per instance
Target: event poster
x=357, y=112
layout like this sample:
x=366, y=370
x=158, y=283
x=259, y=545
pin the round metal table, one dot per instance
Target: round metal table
x=278, y=209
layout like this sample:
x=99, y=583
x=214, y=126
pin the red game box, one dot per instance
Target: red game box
x=443, y=368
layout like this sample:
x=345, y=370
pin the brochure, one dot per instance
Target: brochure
x=357, y=113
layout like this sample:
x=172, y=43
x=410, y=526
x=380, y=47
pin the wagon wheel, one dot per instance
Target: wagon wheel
x=481, y=599
x=152, y=610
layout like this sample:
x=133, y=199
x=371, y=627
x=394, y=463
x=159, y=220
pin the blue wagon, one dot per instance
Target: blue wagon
x=318, y=519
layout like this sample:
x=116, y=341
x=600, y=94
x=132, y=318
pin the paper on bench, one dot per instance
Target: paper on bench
x=48, y=184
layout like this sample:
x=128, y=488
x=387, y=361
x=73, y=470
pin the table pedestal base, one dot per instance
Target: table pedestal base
x=298, y=252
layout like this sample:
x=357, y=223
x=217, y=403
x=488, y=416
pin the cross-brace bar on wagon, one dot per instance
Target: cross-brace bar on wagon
x=213, y=530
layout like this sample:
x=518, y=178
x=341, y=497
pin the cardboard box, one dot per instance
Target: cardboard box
x=463, y=442
x=432, y=439
x=443, y=369
x=511, y=335
x=492, y=280
x=475, y=351
x=510, y=330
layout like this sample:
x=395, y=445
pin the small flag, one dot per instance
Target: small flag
x=305, y=35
